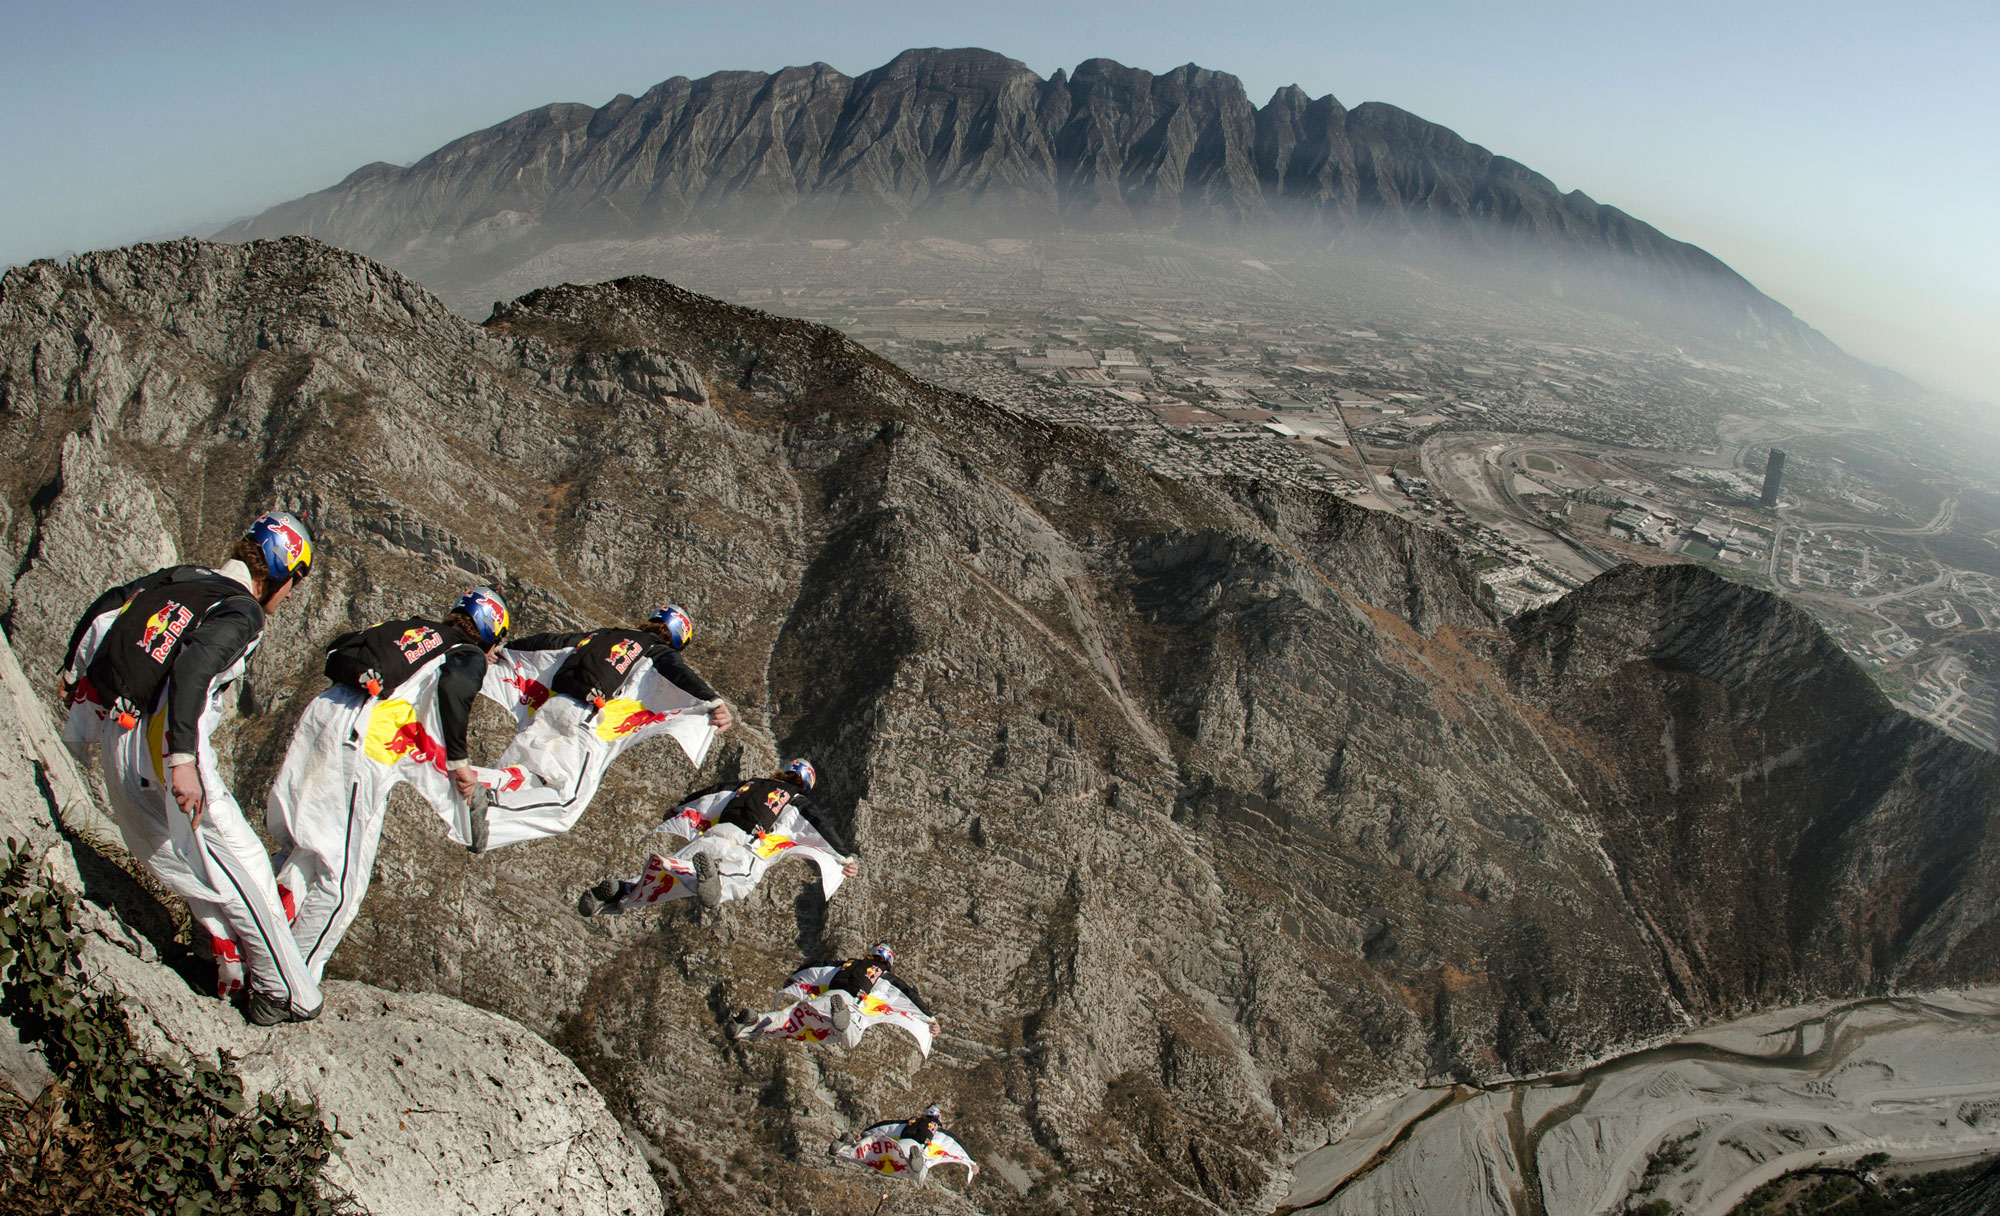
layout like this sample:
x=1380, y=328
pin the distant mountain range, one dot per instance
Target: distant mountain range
x=958, y=142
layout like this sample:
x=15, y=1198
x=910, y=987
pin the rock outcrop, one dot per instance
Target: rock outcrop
x=1204, y=809
x=971, y=143
x=449, y=1108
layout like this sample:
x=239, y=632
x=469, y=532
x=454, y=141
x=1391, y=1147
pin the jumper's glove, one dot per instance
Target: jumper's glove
x=850, y=865
x=372, y=681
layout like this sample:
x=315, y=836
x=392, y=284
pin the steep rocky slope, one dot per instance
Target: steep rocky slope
x=1203, y=810
x=968, y=142
x=449, y=1109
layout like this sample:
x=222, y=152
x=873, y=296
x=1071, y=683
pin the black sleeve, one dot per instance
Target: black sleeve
x=464, y=671
x=910, y=990
x=545, y=641
x=819, y=821
x=107, y=602
x=669, y=663
x=221, y=638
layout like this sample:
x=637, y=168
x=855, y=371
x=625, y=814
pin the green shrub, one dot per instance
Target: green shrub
x=119, y=1132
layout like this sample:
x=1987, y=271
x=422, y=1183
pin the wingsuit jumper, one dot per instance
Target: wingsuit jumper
x=914, y=1144
x=738, y=831
x=144, y=678
x=591, y=695
x=844, y=996
x=397, y=710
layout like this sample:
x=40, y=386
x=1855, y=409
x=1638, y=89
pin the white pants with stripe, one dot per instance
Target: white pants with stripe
x=218, y=866
x=565, y=762
x=325, y=812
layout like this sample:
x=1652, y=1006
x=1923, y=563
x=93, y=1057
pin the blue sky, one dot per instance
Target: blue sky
x=1845, y=157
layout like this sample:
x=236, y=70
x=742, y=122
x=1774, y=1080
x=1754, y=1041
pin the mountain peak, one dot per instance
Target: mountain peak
x=969, y=143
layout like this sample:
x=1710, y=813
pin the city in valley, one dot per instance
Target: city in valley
x=1553, y=437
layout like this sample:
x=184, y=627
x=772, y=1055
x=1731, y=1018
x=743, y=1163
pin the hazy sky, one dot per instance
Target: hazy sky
x=1843, y=156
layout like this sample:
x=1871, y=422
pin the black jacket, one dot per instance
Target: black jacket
x=666, y=660
x=213, y=645
x=760, y=801
x=352, y=655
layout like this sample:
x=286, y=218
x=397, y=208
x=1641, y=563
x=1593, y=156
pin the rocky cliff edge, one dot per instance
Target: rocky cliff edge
x=450, y=1109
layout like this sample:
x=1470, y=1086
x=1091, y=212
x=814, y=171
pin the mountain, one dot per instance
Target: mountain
x=1202, y=810
x=968, y=142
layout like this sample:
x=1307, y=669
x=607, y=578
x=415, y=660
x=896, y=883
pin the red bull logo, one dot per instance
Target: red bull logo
x=883, y=1155
x=395, y=735
x=534, y=693
x=164, y=628
x=413, y=742
x=416, y=643
x=296, y=548
x=622, y=717
x=768, y=845
x=622, y=655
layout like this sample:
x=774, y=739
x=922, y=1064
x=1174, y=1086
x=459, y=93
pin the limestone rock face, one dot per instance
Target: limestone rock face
x=1201, y=810
x=970, y=143
x=451, y=1109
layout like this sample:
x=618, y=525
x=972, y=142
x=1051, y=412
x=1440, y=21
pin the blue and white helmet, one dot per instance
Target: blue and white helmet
x=287, y=546
x=933, y=1111
x=680, y=626
x=488, y=612
x=802, y=770
x=881, y=950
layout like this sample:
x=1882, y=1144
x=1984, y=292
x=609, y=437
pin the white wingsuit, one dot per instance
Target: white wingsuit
x=327, y=807
x=559, y=756
x=219, y=865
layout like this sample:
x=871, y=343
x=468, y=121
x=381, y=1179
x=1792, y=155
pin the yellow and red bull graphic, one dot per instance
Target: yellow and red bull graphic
x=622, y=655
x=622, y=716
x=770, y=844
x=164, y=628
x=881, y=1154
x=298, y=550
x=394, y=734
x=659, y=879
x=805, y=1025
x=416, y=643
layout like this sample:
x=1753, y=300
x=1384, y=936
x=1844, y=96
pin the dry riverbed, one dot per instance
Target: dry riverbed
x=1699, y=1122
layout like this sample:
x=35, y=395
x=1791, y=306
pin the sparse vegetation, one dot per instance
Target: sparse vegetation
x=1852, y=1191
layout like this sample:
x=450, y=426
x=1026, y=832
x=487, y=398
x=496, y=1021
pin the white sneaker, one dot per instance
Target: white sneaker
x=843, y=1010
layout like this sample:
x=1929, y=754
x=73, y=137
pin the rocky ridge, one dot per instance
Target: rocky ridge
x=1203, y=809
x=971, y=143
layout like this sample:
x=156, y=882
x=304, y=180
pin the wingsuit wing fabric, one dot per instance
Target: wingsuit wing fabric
x=880, y=1149
x=810, y=1017
x=563, y=749
x=741, y=859
x=519, y=681
x=695, y=816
